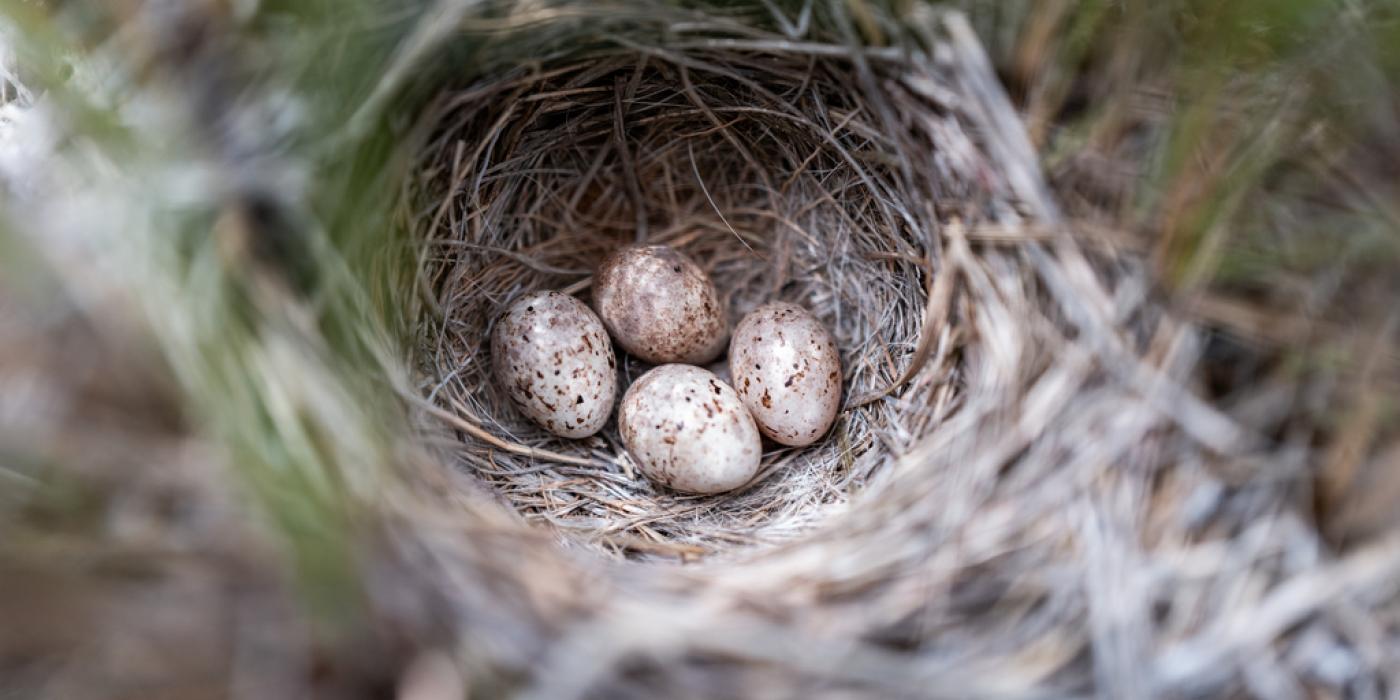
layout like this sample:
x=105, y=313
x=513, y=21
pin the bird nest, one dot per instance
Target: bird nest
x=803, y=174
x=1016, y=457
x=1021, y=496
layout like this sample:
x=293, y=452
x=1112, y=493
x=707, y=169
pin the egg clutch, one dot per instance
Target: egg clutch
x=685, y=427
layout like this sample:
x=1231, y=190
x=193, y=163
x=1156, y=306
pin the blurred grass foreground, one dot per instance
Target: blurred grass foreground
x=1143, y=439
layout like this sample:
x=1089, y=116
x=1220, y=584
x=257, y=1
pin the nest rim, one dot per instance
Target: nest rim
x=730, y=225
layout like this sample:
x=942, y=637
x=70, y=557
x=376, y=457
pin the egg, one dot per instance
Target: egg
x=552, y=356
x=785, y=368
x=660, y=306
x=688, y=430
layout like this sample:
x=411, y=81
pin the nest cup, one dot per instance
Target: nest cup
x=1022, y=496
x=787, y=174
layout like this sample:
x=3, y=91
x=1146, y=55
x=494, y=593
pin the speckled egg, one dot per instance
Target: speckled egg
x=688, y=430
x=659, y=305
x=552, y=356
x=785, y=368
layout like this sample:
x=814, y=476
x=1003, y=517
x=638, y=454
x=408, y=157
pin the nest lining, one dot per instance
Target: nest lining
x=775, y=174
x=1042, y=510
x=1020, y=497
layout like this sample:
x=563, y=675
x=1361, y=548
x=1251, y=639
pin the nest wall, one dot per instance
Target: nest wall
x=774, y=170
x=1017, y=450
x=1022, y=496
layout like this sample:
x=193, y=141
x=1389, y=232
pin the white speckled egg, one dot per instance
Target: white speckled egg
x=659, y=305
x=688, y=430
x=785, y=368
x=552, y=356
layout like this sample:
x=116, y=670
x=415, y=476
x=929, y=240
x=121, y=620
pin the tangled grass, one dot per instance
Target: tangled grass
x=764, y=166
x=1025, y=495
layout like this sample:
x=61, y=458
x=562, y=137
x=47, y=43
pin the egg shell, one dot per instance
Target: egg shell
x=660, y=306
x=785, y=368
x=688, y=430
x=552, y=356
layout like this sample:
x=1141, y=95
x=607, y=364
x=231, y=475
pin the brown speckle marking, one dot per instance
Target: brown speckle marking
x=534, y=354
x=798, y=403
x=659, y=305
x=695, y=449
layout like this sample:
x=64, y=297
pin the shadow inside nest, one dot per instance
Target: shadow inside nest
x=775, y=174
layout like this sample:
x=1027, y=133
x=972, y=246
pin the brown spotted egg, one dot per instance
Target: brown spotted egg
x=785, y=368
x=659, y=305
x=688, y=430
x=552, y=356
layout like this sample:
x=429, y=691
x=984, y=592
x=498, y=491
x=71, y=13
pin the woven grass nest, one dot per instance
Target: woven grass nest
x=773, y=171
x=1022, y=495
x=786, y=180
x=1016, y=457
